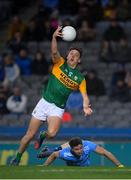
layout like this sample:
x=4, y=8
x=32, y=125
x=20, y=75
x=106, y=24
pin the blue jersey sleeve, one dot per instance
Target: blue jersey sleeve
x=61, y=154
x=92, y=146
x=64, y=153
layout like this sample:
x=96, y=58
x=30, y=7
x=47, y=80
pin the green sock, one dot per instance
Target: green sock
x=18, y=155
x=43, y=134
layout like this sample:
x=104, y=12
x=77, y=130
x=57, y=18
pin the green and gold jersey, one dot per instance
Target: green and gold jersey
x=62, y=82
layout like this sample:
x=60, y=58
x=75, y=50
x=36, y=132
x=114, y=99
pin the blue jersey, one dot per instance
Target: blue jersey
x=83, y=160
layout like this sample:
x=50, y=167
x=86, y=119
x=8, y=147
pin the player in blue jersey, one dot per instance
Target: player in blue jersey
x=77, y=153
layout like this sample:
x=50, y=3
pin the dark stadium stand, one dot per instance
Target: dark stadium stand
x=106, y=113
x=110, y=119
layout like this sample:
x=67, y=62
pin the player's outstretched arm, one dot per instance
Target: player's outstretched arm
x=54, y=48
x=109, y=155
x=51, y=158
x=86, y=103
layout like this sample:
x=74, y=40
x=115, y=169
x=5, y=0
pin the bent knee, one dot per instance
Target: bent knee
x=51, y=134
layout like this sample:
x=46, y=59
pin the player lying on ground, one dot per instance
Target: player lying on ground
x=76, y=153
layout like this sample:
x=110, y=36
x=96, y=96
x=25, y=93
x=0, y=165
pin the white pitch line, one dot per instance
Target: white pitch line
x=85, y=170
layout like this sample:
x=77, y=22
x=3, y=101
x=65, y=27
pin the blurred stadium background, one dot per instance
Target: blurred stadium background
x=104, y=34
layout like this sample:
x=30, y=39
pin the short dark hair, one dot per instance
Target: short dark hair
x=75, y=142
x=77, y=49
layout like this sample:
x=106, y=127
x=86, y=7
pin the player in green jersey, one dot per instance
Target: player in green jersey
x=64, y=79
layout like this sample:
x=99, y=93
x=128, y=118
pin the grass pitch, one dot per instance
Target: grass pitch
x=62, y=172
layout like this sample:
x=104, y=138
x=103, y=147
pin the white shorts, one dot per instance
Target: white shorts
x=44, y=109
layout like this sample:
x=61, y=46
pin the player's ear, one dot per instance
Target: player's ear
x=79, y=61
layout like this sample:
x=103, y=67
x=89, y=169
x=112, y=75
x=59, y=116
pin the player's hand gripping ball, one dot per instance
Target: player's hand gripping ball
x=68, y=33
